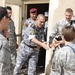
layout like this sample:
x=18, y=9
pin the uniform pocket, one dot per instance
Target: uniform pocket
x=5, y=56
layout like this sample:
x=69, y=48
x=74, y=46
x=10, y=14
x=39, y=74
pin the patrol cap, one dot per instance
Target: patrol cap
x=33, y=10
x=46, y=14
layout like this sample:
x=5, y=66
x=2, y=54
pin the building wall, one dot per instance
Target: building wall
x=2, y=3
x=35, y=1
x=15, y=2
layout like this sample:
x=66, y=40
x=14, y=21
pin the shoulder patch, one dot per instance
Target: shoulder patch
x=31, y=32
x=32, y=25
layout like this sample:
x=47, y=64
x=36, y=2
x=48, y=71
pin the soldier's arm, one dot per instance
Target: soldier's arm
x=14, y=32
x=40, y=43
x=11, y=30
x=35, y=40
x=53, y=33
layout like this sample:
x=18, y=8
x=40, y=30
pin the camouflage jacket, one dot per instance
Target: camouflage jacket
x=63, y=62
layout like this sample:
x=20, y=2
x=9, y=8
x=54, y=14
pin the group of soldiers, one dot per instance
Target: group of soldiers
x=63, y=62
x=32, y=20
x=32, y=40
x=32, y=37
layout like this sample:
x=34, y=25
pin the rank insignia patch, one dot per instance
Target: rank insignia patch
x=31, y=32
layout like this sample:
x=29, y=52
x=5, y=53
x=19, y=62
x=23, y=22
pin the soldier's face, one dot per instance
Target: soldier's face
x=40, y=22
x=9, y=12
x=5, y=21
x=68, y=16
x=33, y=15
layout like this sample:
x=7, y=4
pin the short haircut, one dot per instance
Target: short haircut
x=8, y=7
x=68, y=32
x=69, y=10
x=40, y=15
x=3, y=12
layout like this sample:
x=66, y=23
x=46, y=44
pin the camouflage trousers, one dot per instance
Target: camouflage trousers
x=26, y=55
x=4, y=69
x=13, y=57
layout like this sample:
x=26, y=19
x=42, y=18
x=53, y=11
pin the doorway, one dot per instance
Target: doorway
x=40, y=7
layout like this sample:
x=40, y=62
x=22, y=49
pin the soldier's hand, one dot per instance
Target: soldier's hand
x=38, y=47
x=46, y=42
x=45, y=46
x=51, y=45
x=56, y=43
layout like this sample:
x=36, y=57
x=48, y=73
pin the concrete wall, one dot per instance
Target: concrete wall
x=56, y=12
x=35, y=1
x=15, y=2
x=2, y=2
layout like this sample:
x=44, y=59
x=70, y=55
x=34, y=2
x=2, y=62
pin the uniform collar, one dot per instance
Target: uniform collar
x=67, y=22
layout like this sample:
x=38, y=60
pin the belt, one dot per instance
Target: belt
x=30, y=45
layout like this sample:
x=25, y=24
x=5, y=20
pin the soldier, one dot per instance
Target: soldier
x=29, y=47
x=42, y=52
x=63, y=62
x=12, y=38
x=4, y=47
x=57, y=29
x=46, y=25
x=29, y=21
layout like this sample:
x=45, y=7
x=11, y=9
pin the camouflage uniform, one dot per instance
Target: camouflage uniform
x=27, y=54
x=4, y=56
x=12, y=42
x=57, y=29
x=27, y=22
x=45, y=30
x=63, y=62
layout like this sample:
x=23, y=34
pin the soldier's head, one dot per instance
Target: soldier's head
x=9, y=10
x=68, y=14
x=40, y=20
x=46, y=16
x=68, y=32
x=4, y=18
x=33, y=13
